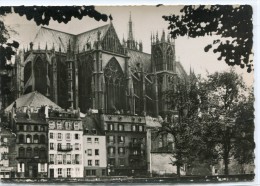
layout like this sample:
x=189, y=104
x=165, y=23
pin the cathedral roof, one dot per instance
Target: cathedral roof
x=33, y=99
x=139, y=57
x=58, y=39
x=53, y=38
x=90, y=37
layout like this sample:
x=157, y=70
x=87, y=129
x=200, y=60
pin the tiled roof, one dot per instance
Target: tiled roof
x=139, y=57
x=33, y=99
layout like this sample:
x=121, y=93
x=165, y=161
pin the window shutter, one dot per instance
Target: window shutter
x=39, y=167
x=64, y=159
x=22, y=167
x=45, y=167
x=73, y=158
x=55, y=159
x=80, y=159
x=18, y=167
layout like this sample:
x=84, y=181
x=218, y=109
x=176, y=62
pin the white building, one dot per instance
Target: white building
x=65, y=145
x=94, y=146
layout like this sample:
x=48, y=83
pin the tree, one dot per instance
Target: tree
x=244, y=139
x=226, y=21
x=224, y=92
x=182, y=99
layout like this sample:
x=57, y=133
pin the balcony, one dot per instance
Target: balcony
x=65, y=148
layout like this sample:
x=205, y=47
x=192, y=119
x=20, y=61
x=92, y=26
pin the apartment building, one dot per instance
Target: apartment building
x=65, y=144
x=126, y=144
x=94, y=147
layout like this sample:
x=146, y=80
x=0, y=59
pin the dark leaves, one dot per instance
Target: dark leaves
x=223, y=20
x=42, y=15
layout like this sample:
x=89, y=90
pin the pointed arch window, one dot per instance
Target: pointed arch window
x=21, y=152
x=40, y=74
x=85, y=83
x=158, y=59
x=169, y=59
x=115, y=85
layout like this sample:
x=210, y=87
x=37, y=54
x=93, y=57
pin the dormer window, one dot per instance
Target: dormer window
x=94, y=131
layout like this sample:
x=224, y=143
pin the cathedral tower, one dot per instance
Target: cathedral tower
x=164, y=66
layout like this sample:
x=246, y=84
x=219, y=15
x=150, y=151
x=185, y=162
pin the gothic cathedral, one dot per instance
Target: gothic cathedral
x=94, y=70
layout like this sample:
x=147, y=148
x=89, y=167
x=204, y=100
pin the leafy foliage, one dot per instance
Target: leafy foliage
x=231, y=22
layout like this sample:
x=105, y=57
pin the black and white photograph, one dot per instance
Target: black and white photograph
x=154, y=94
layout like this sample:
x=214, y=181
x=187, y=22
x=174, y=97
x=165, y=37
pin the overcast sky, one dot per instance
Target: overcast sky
x=146, y=20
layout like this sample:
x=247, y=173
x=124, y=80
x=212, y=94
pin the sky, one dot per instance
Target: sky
x=146, y=20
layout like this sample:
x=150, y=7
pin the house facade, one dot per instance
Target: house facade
x=65, y=144
x=94, y=148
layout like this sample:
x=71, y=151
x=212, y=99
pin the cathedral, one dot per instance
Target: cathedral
x=95, y=70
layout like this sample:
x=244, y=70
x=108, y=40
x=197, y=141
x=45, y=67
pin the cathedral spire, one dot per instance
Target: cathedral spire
x=130, y=27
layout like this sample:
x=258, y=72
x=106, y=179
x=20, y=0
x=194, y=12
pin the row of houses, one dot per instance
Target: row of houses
x=51, y=142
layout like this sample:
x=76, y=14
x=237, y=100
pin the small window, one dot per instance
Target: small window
x=51, y=146
x=76, y=136
x=68, y=172
x=76, y=146
x=67, y=136
x=59, y=136
x=89, y=140
x=216, y=171
x=51, y=135
x=140, y=128
x=42, y=167
x=35, y=128
x=111, y=127
x=29, y=128
x=21, y=127
x=89, y=152
x=96, y=152
x=97, y=162
x=59, y=172
x=103, y=172
x=121, y=139
x=96, y=140
x=121, y=161
x=76, y=126
x=133, y=128
x=89, y=162
x=120, y=127
x=111, y=139
x=121, y=150
x=59, y=125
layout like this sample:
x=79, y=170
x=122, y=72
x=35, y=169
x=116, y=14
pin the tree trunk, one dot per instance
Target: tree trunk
x=178, y=171
x=226, y=162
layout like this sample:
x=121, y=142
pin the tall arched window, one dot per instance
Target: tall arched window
x=29, y=152
x=21, y=152
x=40, y=74
x=27, y=75
x=35, y=138
x=115, y=86
x=42, y=138
x=36, y=151
x=21, y=138
x=169, y=59
x=158, y=59
x=42, y=153
x=28, y=138
x=85, y=80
